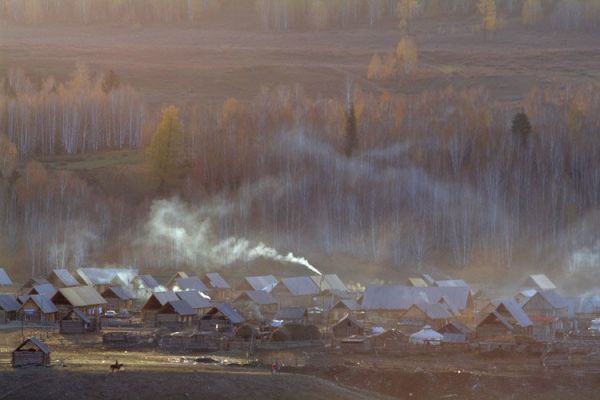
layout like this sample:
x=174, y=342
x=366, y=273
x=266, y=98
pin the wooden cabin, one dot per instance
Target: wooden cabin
x=154, y=303
x=9, y=308
x=7, y=286
x=38, y=308
x=173, y=279
x=222, y=318
x=299, y=291
x=347, y=326
x=84, y=298
x=176, y=314
x=218, y=288
x=257, y=304
x=418, y=315
x=76, y=322
x=32, y=352
x=549, y=312
x=265, y=283
x=297, y=315
x=61, y=278
x=344, y=307
x=118, y=298
x=144, y=285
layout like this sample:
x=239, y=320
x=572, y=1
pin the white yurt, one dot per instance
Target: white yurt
x=426, y=336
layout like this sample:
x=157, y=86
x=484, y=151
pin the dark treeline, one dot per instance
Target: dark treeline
x=282, y=15
x=447, y=177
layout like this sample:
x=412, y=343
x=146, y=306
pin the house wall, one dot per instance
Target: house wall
x=29, y=358
x=490, y=330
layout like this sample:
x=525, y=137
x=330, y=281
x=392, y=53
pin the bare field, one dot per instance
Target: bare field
x=208, y=64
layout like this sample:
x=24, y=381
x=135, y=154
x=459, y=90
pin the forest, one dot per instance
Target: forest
x=452, y=176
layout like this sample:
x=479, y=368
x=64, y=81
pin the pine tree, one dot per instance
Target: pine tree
x=166, y=147
x=521, y=127
x=351, y=131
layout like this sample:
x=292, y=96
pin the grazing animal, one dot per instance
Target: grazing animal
x=116, y=366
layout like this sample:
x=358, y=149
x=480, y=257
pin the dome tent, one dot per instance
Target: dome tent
x=426, y=336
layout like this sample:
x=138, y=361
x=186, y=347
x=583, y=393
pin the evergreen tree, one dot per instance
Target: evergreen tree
x=167, y=146
x=521, y=127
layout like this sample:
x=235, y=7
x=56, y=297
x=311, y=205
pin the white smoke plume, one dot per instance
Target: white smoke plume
x=187, y=233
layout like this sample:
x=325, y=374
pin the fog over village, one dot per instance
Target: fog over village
x=279, y=199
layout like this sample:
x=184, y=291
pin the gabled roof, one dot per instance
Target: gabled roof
x=227, y=311
x=451, y=283
x=64, y=277
x=290, y=313
x=79, y=314
x=194, y=299
x=434, y=311
x=45, y=305
x=45, y=289
x=554, y=299
x=120, y=292
x=216, y=281
x=398, y=297
x=179, y=307
x=300, y=285
x=417, y=282
x=147, y=281
x=193, y=283
x=513, y=309
x=540, y=281
x=329, y=282
x=80, y=296
x=349, y=318
x=427, y=278
x=258, y=296
x=164, y=297
x=350, y=304
x=94, y=276
x=494, y=315
x=265, y=282
x=455, y=327
x=43, y=347
x=4, y=278
x=9, y=303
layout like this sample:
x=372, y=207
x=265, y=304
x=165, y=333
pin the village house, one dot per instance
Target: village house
x=218, y=288
x=508, y=318
x=549, y=312
x=9, y=307
x=296, y=291
x=222, y=318
x=31, y=353
x=44, y=289
x=455, y=332
x=451, y=283
x=539, y=282
x=347, y=326
x=61, y=278
x=84, y=298
x=118, y=298
x=6, y=284
x=257, y=305
x=585, y=309
x=297, y=315
x=265, y=283
x=38, y=308
x=154, y=303
x=144, y=285
x=344, y=307
x=31, y=283
x=386, y=304
x=75, y=322
x=196, y=300
x=177, y=275
x=191, y=283
x=418, y=315
x=176, y=314
x=329, y=282
x=102, y=278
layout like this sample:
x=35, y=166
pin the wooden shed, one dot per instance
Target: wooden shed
x=32, y=352
x=347, y=326
x=76, y=322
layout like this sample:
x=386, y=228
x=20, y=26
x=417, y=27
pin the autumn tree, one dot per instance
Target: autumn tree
x=166, y=147
x=110, y=81
x=532, y=12
x=374, y=70
x=487, y=10
x=407, y=10
x=407, y=56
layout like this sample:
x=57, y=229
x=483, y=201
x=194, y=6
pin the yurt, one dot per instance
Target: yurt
x=426, y=336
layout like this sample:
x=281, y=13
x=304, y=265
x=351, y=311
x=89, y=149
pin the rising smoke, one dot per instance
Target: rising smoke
x=188, y=235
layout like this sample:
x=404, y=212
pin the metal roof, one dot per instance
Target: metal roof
x=434, y=311
x=495, y=315
x=587, y=305
x=216, y=281
x=451, y=283
x=350, y=318
x=300, y=285
x=179, y=307
x=79, y=314
x=259, y=297
x=350, y=304
x=329, y=282
x=45, y=304
x=45, y=289
x=193, y=283
x=515, y=310
x=65, y=277
x=4, y=278
x=227, y=311
x=148, y=281
x=9, y=303
x=554, y=299
x=290, y=313
x=120, y=292
x=165, y=297
x=80, y=296
x=540, y=281
x=93, y=276
x=194, y=299
x=398, y=297
x=266, y=282
x=417, y=282
x=37, y=343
